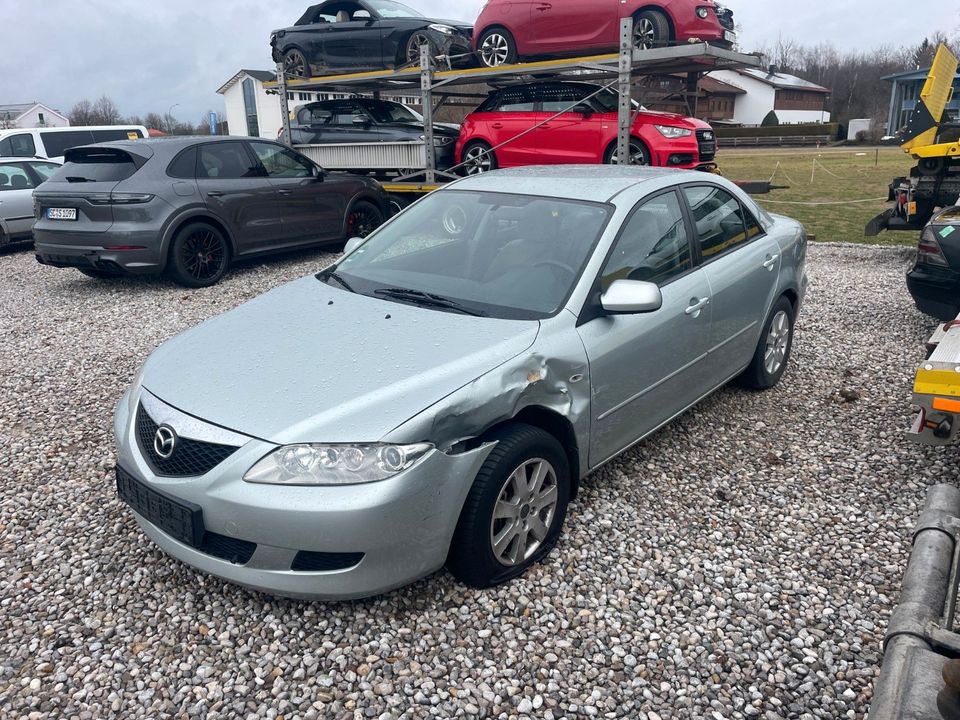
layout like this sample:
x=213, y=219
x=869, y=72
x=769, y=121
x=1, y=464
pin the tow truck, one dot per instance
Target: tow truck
x=933, y=139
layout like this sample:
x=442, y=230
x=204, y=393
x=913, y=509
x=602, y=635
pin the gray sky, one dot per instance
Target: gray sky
x=148, y=55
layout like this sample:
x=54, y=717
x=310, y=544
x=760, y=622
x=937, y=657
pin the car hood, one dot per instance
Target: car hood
x=312, y=363
x=673, y=119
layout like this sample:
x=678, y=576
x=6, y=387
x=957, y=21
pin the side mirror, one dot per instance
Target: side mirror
x=318, y=173
x=361, y=120
x=352, y=244
x=629, y=297
x=584, y=109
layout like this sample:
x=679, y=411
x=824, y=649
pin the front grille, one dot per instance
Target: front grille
x=226, y=548
x=324, y=562
x=191, y=458
x=725, y=16
x=707, y=144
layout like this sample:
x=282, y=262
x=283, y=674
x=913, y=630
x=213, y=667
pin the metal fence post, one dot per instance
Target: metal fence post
x=426, y=90
x=284, y=103
x=625, y=91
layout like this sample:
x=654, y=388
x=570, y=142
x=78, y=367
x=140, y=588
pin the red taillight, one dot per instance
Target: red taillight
x=929, y=250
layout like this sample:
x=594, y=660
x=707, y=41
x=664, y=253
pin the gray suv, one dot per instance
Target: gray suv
x=188, y=207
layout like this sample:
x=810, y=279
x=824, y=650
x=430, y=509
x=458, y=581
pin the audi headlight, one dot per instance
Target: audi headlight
x=445, y=29
x=439, y=140
x=340, y=464
x=673, y=132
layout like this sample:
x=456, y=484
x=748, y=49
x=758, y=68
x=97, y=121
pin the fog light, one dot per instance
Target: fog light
x=702, y=13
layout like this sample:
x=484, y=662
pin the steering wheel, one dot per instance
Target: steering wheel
x=557, y=265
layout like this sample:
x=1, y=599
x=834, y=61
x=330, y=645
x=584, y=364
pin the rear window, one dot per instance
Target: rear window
x=96, y=165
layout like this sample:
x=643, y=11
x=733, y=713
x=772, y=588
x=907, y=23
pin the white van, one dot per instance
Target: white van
x=52, y=143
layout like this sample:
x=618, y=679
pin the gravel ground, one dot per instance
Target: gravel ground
x=742, y=563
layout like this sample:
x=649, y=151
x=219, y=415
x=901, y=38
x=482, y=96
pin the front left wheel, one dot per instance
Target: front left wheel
x=515, y=510
x=295, y=64
x=413, y=47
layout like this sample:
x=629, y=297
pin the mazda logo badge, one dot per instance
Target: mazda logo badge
x=165, y=442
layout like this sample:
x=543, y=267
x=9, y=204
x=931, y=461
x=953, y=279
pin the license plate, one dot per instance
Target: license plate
x=61, y=213
x=729, y=36
x=181, y=520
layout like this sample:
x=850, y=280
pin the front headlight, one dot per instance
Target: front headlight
x=439, y=140
x=445, y=29
x=339, y=464
x=673, y=132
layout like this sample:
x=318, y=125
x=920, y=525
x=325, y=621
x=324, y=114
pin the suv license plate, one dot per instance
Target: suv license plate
x=61, y=213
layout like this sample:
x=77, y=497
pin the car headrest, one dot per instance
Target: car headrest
x=19, y=181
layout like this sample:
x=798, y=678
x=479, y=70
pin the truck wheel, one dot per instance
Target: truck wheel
x=773, y=350
x=199, y=256
x=515, y=510
x=639, y=155
x=651, y=29
x=478, y=157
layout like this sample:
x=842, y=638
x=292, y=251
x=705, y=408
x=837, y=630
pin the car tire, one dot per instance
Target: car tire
x=496, y=47
x=773, y=349
x=199, y=256
x=99, y=274
x=295, y=64
x=505, y=484
x=412, y=48
x=639, y=155
x=363, y=218
x=397, y=204
x=478, y=157
x=651, y=29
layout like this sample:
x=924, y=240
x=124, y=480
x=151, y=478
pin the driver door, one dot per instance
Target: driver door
x=355, y=43
x=646, y=368
x=571, y=25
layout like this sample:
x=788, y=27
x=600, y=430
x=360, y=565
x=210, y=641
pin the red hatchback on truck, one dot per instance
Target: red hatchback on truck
x=506, y=131
x=509, y=31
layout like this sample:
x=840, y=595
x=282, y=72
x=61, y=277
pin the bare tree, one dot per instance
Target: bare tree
x=105, y=112
x=81, y=114
x=154, y=121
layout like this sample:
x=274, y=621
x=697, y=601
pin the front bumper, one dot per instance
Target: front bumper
x=935, y=293
x=98, y=251
x=402, y=527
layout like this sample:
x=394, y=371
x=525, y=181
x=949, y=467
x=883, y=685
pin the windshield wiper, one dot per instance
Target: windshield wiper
x=417, y=297
x=75, y=179
x=339, y=278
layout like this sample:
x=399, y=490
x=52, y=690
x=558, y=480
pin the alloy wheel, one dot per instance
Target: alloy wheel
x=524, y=511
x=778, y=341
x=637, y=156
x=644, y=34
x=362, y=222
x=413, y=47
x=495, y=50
x=204, y=255
x=295, y=64
x=477, y=160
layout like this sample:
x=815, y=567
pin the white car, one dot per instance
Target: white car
x=18, y=178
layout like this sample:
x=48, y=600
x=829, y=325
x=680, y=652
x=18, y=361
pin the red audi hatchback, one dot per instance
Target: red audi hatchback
x=505, y=131
x=509, y=31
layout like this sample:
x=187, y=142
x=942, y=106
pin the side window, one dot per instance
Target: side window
x=18, y=146
x=14, y=177
x=516, y=100
x=57, y=143
x=653, y=247
x=719, y=219
x=184, y=165
x=225, y=160
x=559, y=98
x=343, y=114
x=44, y=170
x=280, y=162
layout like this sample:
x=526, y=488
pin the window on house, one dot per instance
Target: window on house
x=250, y=108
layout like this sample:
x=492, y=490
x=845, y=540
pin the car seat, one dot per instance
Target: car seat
x=344, y=16
x=4, y=180
x=19, y=182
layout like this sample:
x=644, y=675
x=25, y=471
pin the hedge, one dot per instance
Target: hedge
x=779, y=130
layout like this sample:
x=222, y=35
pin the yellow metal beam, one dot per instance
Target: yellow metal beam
x=937, y=382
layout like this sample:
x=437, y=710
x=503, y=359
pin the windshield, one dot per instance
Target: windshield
x=481, y=253
x=388, y=112
x=390, y=9
x=609, y=101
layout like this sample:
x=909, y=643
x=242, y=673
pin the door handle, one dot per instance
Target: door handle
x=497, y=126
x=771, y=261
x=544, y=6
x=285, y=192
x=215, y=193
x=696, y=306
x=545, y=126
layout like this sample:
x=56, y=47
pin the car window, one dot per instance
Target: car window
x=184, y=165
x=228, y=160
x=14, y=177
x=516, y=100
x=389, y=112
x=44, y=170
x=390, y=9
x=57, y=143
x=116, y=134
x=280, y=162
x=719, y=219
x=653, y=247
x=18, y=146
x=343, y=113
x=559, y=98
x=95, y=165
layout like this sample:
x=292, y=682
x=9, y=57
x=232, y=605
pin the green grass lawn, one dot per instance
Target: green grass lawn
x=842, y=174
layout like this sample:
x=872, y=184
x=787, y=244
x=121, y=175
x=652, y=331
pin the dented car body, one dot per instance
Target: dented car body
x=361, y=413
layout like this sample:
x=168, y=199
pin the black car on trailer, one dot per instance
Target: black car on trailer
x=934, y=280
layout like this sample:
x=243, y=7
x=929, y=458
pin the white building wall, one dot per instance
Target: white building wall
x=50, y=119
x=269, y=117
x=234, y=112
x=749, y=109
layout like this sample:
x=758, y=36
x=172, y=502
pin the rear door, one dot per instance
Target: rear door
x=742, y=265
x=572, y=137
x=646, y=368
x=16, y=197
x=234, y=188
x=513, y=122
x=309, y=211
x=572, y=25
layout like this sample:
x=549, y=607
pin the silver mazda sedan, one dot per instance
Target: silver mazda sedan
x=437, y=396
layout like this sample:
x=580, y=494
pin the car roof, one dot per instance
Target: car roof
x=27, y=159
x=596, y=183
x=168, y=144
